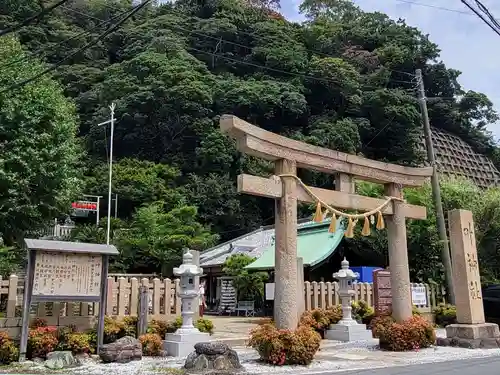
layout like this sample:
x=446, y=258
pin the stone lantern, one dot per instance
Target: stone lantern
x=347, y=329
x=181, y=343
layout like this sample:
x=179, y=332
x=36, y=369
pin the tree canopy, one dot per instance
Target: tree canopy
x=39, y=171
x=344, y=79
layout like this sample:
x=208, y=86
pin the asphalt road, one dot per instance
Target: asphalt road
x=480, y=366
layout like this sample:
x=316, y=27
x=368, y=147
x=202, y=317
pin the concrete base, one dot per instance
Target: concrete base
x=472, y=336
x=348, y=332
x=473, y=331
x=182, y=344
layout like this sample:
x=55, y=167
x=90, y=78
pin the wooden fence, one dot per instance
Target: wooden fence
x=325, y=294
x=122, y=300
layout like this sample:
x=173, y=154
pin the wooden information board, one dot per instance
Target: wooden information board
x=67, y=274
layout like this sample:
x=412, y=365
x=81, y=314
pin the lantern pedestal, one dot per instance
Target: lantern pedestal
x=182, y=344
x=348, y=332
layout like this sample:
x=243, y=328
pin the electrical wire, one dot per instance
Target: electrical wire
x=492, y=27
x=29, y=20
x=86, y=46
x=434, y=7
x=38, y=53
x=486, y=11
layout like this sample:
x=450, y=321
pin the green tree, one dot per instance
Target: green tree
x=136, y=182
x=155, y=239
x=39, y=171
x=249, y=285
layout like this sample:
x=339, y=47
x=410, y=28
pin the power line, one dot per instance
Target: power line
x=434, y=7
x=38, y=53
x=29, y=20
x=86, y=46
x=492, y=27
x=486, y=11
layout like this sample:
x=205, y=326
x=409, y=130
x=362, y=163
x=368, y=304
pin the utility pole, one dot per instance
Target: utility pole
x=436, y=190
x=111, y=121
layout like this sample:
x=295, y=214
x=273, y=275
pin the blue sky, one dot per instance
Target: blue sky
x=466, y=43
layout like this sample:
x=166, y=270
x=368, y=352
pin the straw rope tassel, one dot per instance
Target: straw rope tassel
x=380, y=221
x=349, y=233
x=366, y=227
x=333, y=224
x=318, y=216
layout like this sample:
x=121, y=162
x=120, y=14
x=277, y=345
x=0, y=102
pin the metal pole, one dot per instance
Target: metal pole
x=97, y=211
x=112, y=107
x=28, y=292
x=112, y=122
x=102, y=303
x=436, y=191
x=116, y=206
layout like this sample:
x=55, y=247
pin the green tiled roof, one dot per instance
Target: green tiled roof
x=314, y=245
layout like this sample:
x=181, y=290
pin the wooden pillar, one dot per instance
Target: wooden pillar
x=285, y=296
x=398, y=257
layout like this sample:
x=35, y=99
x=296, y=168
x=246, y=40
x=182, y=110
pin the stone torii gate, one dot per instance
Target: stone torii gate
x=286, y=189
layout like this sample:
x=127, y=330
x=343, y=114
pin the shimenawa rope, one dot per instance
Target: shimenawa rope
x=352, y=218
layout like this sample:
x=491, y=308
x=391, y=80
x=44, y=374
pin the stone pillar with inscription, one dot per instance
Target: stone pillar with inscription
x=286, y=306
x=471, y=329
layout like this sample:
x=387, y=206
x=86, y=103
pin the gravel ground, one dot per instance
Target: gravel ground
x=333, y=356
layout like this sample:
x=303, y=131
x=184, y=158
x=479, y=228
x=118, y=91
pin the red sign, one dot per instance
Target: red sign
x=382, y=292
x=84, y=206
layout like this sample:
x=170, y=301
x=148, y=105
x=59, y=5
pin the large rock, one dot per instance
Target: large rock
x=212, y=356
x=60, y=360
x=123, y=350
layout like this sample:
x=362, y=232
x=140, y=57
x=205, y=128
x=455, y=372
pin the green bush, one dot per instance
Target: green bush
x=362, y=312
x=284, y=347
x=414, y=333
x=114, y=329
x=445, y=314
x=130, y=326
x=42, y=340
x=8, y=350
x=205, y=325
x=160, y=327
x=151, y=344
x=80, y=342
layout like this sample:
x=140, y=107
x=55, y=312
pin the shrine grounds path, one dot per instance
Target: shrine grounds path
x=483, y=366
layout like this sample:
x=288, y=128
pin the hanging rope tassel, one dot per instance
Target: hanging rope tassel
x=380, y=221
x=349, y=233
x=318, y=216
x=333, y=224
x=366, y=227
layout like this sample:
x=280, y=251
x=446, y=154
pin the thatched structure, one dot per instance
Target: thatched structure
x=455, y=157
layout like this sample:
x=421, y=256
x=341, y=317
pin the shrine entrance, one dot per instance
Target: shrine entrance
x=286, y=188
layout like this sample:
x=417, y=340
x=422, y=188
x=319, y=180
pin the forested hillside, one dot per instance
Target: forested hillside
x=343, y=80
